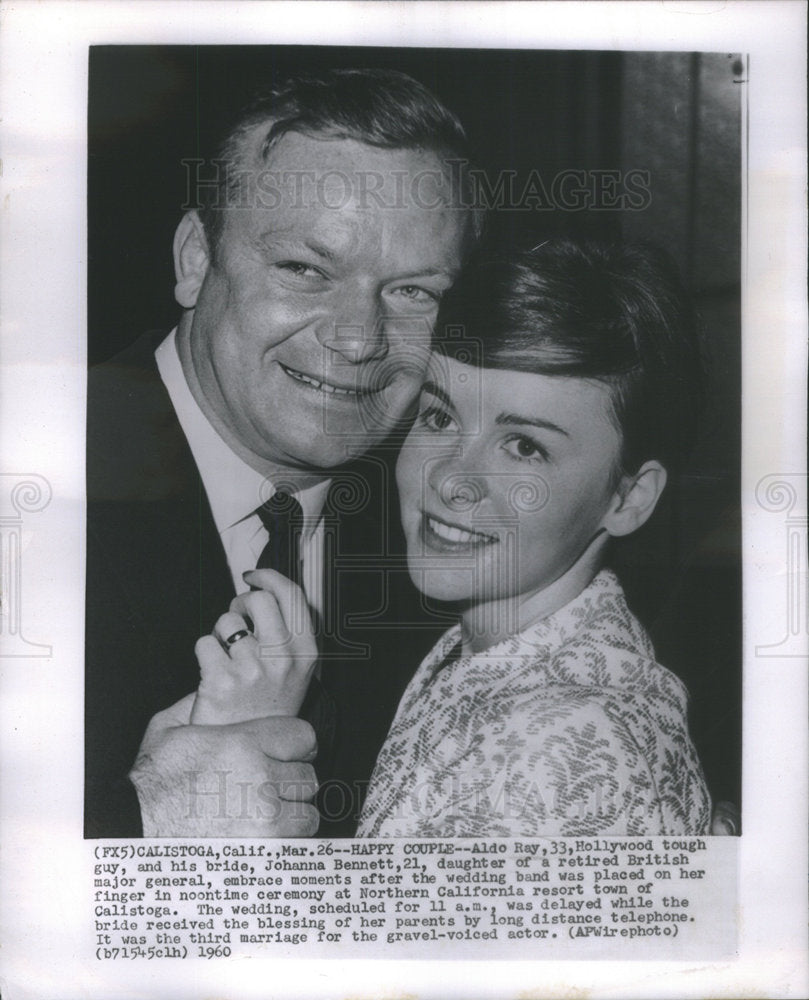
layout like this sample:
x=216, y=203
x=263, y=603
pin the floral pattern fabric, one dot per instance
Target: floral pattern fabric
x=568, y=728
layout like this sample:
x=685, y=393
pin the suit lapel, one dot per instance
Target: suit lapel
x=150, y=515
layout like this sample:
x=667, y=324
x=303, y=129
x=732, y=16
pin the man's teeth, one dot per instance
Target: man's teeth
x=322, y=386
x=459, y=535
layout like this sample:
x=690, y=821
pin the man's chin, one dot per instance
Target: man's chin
x=332, y=453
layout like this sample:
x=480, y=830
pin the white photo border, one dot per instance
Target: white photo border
x=43, y=97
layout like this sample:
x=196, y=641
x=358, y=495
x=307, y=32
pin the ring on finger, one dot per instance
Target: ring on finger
x=242, y=633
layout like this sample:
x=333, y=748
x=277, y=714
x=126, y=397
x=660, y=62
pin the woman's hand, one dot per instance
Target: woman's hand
x=260, y=658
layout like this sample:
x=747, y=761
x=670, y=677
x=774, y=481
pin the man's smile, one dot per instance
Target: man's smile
x=321, y=385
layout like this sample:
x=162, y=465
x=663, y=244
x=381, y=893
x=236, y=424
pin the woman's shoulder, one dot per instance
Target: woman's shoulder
x=555, y=712
x=600, y=613
x=604, y=766
x=605, y=700
x=601, y=646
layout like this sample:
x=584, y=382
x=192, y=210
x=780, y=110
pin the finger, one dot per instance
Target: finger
x=228, y=626
x=726, y=820
x=211, y=657
x=296, y=781
x=176, y=715
x=289, y=596
x=295, y=819
x=269, y=626
x=282, y=738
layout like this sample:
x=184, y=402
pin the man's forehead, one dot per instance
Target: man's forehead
x=346, y=196
x=317, y=149
x=387, y=242
x=324, y=170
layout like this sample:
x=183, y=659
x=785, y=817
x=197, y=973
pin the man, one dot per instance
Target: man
x=309, y=283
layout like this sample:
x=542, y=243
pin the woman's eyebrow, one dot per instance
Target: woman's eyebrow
x=516, y=418
x=437, y=391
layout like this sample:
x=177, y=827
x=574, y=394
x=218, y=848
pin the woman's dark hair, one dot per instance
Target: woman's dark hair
x=614, y=313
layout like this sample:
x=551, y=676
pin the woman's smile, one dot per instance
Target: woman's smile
x=442, y=536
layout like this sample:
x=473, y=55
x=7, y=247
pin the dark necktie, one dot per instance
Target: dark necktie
x=282, y=516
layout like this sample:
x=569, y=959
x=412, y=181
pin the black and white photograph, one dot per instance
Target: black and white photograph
x=529, y=211
x=421, y=517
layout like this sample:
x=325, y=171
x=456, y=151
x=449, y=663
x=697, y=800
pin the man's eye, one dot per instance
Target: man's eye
x=417, y=295
x=525, y=448
x=297, y=267
x=435, y=419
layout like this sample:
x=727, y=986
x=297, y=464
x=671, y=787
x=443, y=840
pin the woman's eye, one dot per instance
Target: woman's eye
x=525, y=448
x=435, y=419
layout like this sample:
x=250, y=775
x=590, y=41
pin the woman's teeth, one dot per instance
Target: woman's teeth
x=458, y=535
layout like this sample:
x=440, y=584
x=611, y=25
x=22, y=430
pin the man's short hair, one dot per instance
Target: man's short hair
x=382, y=108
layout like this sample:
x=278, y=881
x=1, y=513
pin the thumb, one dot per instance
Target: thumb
x=178, y=714
x=282, y=737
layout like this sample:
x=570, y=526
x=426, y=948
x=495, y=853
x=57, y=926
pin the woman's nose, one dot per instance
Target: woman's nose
x=454, y=478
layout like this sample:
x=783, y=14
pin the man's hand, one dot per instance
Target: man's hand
x=251, y=779
x=267, y=669
x=726, y=820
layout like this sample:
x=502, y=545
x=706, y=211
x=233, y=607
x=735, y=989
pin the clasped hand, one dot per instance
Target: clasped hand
x=222, y=763
x=267, y=670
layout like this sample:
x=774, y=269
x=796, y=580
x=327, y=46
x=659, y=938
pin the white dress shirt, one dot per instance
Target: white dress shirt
x=235, y=490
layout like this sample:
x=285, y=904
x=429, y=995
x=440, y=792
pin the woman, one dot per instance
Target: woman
x=546, y=430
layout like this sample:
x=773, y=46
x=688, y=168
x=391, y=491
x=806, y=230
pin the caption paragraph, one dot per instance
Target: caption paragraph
x=576, y=898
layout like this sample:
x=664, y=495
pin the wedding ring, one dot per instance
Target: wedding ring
x=241, y=634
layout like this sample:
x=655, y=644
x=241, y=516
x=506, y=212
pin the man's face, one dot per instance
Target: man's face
x=311, y=328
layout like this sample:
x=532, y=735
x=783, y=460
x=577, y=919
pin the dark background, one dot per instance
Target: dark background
x=675, y=115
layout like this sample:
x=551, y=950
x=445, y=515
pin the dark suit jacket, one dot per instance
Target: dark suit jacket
x=157, y=579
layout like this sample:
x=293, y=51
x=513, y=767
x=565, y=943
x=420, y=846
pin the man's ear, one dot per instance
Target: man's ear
x=635, y=499
x=191, y=259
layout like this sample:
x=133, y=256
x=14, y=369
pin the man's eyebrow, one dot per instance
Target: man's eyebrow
x=437, y=391
x=290, y=245
x=516, y=418
x=331, y=256
x=320, y=250
x=439, y=272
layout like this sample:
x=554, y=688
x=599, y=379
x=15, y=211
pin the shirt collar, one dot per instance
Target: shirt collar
x=234, y=489
x=593, y=641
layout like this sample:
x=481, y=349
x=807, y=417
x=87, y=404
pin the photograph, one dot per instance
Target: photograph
x=403, y=493
x=558, y=633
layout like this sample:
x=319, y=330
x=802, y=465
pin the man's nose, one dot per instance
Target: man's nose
x=355, y=330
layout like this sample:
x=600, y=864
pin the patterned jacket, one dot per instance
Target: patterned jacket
x=568, y=728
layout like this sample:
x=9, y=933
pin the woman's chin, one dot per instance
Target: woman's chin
x=442, y=584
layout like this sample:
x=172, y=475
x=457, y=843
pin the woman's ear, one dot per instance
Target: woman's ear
x=635, y=499
x=191, y=259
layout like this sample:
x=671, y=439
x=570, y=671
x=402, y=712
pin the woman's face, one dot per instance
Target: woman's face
x=505, y=479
